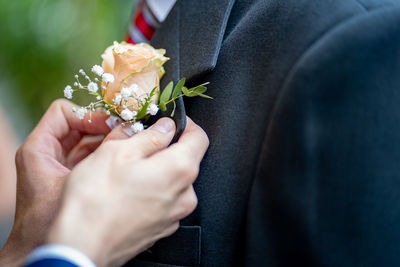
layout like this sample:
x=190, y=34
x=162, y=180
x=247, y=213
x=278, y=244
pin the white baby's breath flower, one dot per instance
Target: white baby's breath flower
x=127, y=115
x=68, y=92
x=80, y=113
x=93, y=87
x=98, y=97
x=152, y=109
x=137, y=127
x=98, y=70
x=134, y=88
x=117, y=100
x=126, y=93
x=73, y=109
x=108, y=78
x=108, y=112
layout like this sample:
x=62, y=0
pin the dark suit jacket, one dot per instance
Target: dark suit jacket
x=303, y=167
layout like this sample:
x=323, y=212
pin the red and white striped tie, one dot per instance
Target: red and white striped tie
x=146, y=19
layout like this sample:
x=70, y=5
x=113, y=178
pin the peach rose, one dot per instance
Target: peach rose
x=137, y=69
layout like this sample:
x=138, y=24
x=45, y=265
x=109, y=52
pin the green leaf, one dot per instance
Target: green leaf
x=173, y=111
x=205, y=96
x=162, y=106
x=166, y=94
x=178, y=88
x=185, y=91
x=152, y=93
x=188, y=92
x=199, y=89
x=204, y=84
x=143, y=111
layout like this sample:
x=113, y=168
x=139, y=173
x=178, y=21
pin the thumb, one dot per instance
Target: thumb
x=147, y=142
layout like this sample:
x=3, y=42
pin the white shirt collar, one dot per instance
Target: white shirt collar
x=161, y=8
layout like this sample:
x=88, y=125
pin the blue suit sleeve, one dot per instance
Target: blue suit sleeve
x=51, y=262
x=57, y=255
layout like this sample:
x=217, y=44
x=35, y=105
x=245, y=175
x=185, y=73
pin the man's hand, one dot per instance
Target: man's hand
x=130, y=193
x=43, y=162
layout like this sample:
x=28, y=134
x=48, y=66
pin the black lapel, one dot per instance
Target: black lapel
x=202, y=26
x=169, y=40
x=192, y=35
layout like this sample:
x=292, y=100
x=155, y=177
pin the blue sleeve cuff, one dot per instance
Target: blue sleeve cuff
x=47, y=255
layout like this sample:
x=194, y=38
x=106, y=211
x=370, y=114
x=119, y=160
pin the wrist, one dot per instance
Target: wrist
x=70, y=229
x=13, y=252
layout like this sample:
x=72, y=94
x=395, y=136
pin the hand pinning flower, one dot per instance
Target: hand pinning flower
x=127, y=85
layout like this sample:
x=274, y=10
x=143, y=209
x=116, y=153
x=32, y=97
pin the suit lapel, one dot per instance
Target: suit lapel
x=192, y=35
x=202, y=28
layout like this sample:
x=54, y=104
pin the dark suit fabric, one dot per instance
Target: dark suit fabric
x=303, y=166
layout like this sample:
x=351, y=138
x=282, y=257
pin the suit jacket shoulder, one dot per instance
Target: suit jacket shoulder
x=328, y=174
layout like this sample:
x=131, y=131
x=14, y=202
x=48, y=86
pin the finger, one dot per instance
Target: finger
x=59, y=120
x=147, y=142
x=180, y=162
x=69, y=141
x=186, y=204
x=194, y=142
x=84, y=148
x=190, y=147
x=118, y=133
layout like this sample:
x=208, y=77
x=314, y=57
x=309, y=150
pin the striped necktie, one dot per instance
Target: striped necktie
x=146, y=19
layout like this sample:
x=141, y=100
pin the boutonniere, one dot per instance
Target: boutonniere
x=127, y=85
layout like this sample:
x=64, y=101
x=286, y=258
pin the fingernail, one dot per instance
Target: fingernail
x=163, y=125
x=113, y=122
x=128, y=131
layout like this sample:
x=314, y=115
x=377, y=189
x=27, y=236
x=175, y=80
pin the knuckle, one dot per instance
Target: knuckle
x=190, y=203
x=107, y=148
x=19, y=155
x=23, y=153
x=184, y=167
x=171, y=229
x=155, y=140
x=205, y=137
x=58, y=103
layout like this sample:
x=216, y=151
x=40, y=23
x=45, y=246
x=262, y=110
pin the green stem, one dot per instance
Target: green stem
x=173, y=99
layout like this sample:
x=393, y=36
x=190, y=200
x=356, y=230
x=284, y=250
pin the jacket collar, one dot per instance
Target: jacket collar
x=192, y=35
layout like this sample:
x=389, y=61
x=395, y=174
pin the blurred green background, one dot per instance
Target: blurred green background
x=43, y=43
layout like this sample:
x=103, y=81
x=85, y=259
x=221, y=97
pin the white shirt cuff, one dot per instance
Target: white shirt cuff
x=61, y=252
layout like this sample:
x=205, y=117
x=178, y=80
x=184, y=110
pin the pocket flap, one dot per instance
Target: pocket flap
x=183, y=248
